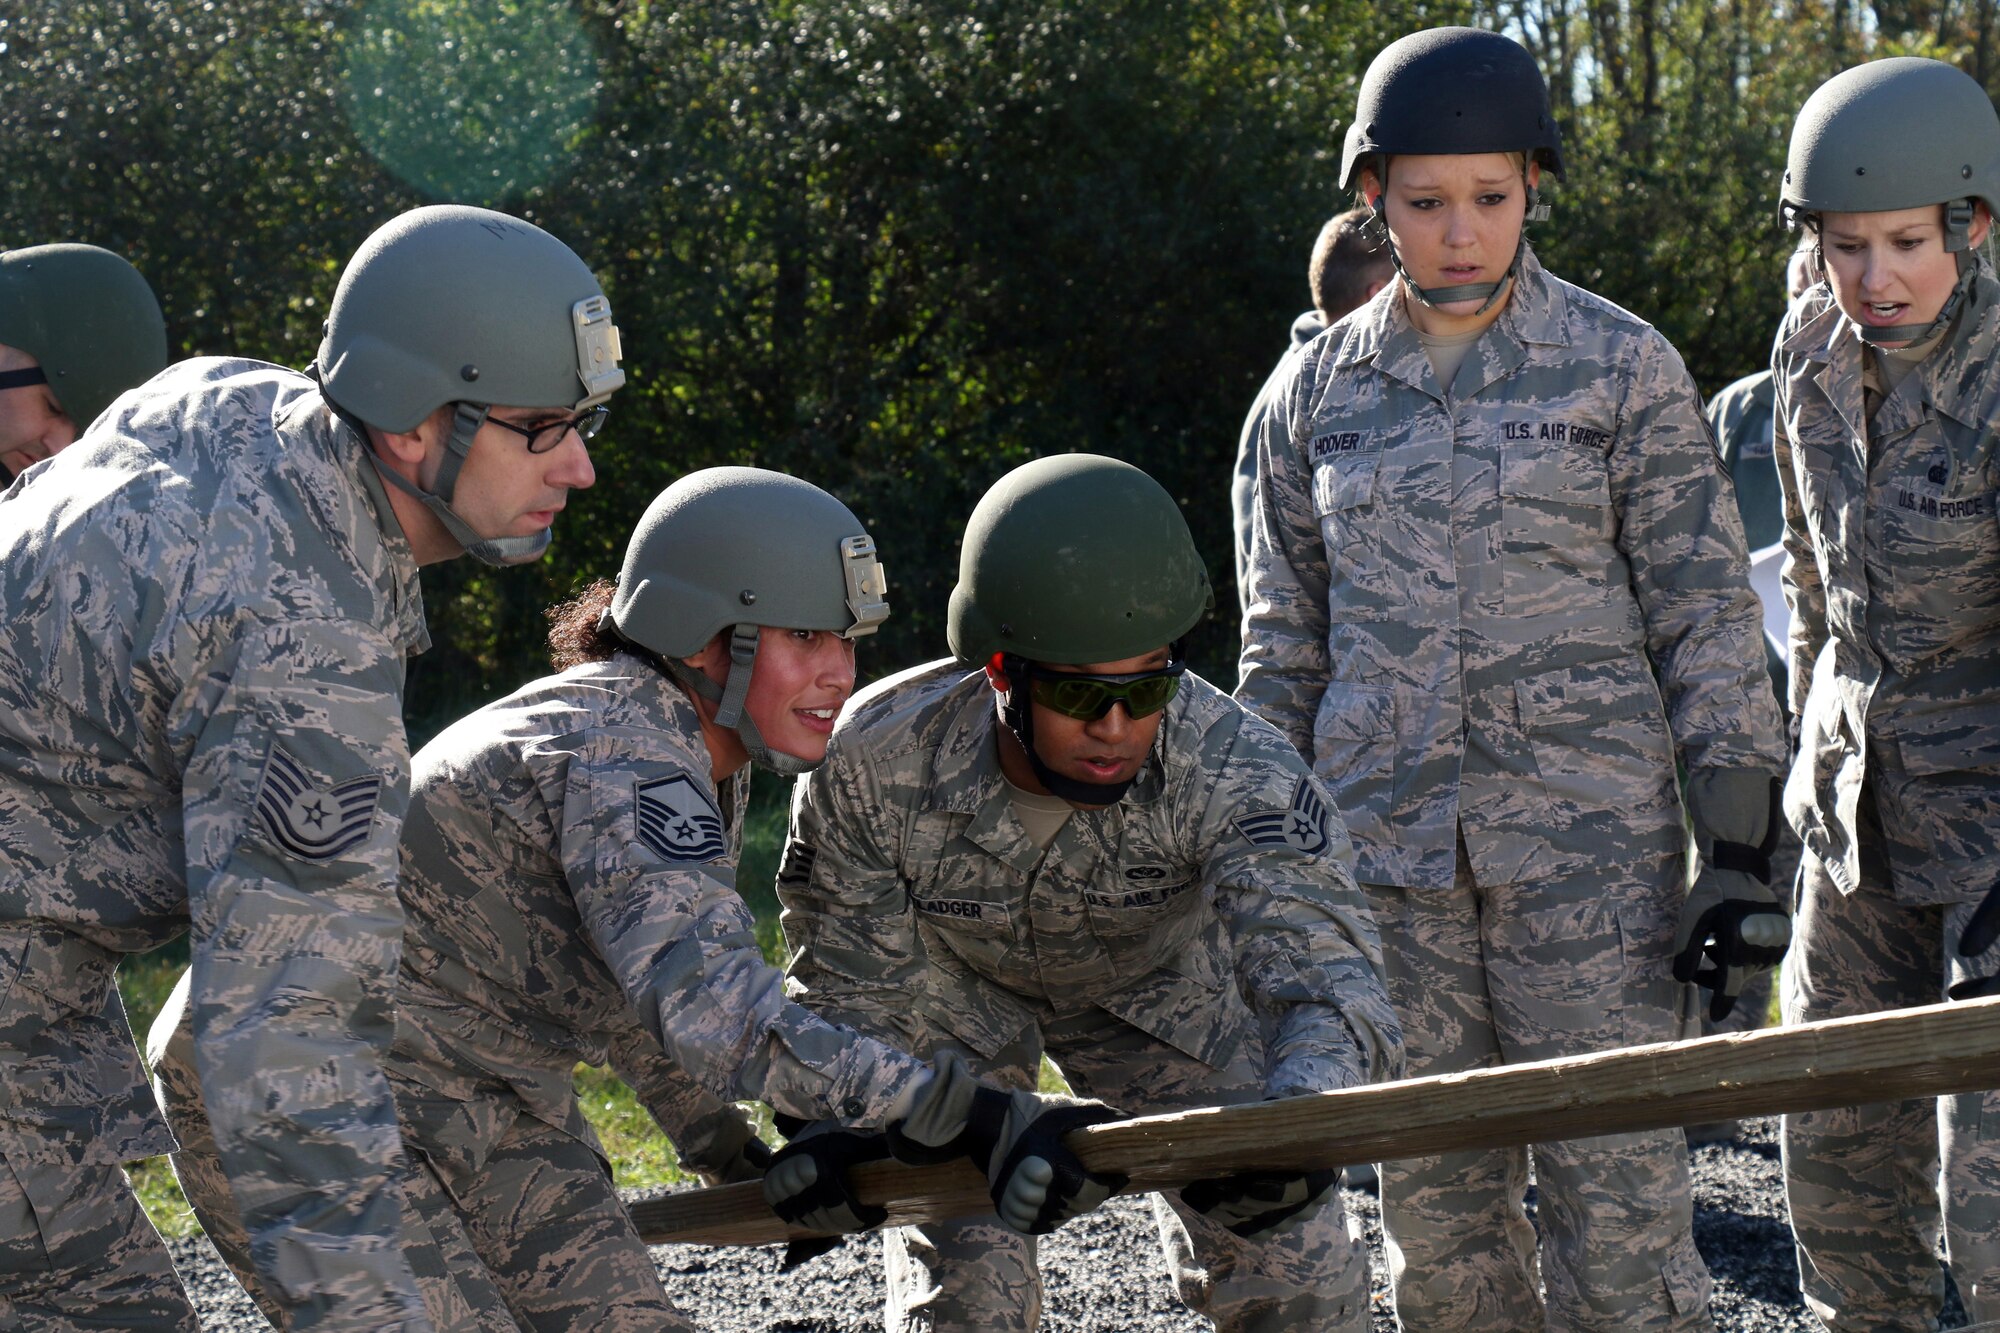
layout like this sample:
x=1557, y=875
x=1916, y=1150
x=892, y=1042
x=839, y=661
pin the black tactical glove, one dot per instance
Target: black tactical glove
x=1732, y=922
x=807, y=1184
x=1976, y=939
x=1014, y=1137
x=1252, y=1202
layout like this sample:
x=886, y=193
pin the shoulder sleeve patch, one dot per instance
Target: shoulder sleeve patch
x=308, y=818
x=677, y=819
x=1301, y=826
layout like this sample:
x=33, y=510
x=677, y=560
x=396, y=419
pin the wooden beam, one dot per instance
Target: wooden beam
x=1928, y=1052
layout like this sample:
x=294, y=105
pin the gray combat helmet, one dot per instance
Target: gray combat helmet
x=1452, y=92
x=739, y=548
x=1893, y=134
x=453, y=304
x=88, y=317
x=1073, y=560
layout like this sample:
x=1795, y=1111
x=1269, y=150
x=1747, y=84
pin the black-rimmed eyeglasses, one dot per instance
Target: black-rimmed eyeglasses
x=549, y=434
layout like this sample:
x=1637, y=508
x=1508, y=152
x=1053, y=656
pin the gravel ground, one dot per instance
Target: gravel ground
x=1091, y=1268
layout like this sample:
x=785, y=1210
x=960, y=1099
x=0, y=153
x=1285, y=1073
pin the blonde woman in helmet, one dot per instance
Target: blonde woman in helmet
x=1488, y=511
x=1887, y=385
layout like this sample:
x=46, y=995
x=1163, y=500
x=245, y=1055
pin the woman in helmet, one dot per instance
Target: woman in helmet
x=1487, y=510
x=569, y=867
x=1886, y=383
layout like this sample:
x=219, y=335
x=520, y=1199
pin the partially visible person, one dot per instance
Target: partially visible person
x=210, y=599
x=1498, y=595
x=1886, y=377
x=1062, y=842
x=78, y=327
x=1349, y=265
x=1741, y=417
x=569, y=867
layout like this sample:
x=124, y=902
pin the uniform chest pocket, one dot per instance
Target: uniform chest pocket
x=1365, y=542
x=1555, y=529
x=1555, y=474
x=1933, y=541
x=1345, y=481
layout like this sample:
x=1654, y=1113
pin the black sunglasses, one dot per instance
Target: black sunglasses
x=1088, y=698
x=21, y=379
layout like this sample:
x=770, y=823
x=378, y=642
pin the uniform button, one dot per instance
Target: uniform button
x=852, y=1107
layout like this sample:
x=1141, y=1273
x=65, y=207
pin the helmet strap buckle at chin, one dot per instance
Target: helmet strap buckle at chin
x=729, y=698
x=465, y=423
x=1910, y=334
x=1487, y=293
x=1017, y=711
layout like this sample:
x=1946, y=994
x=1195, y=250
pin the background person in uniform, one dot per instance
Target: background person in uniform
x=1487, y=509
x=1886, y=381
x=210, y=598
x=569, y=883
x=78, y=327
x=1741, y=417
x=1062, y=842
x=1349, y=265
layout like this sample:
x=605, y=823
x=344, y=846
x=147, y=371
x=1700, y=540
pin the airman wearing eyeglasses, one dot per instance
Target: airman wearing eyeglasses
x=1063, y=841
x=210, y=600
x=78, y=327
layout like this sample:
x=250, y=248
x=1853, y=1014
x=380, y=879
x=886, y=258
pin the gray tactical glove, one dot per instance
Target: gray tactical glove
x=1014, y=1137
x=723, y=1148
x=1732, y=925
x=1252, y=1202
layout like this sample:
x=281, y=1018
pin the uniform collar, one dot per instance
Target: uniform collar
x=367, y=513
x=1957, y=375
x=1536, y=313
x=1950, y=382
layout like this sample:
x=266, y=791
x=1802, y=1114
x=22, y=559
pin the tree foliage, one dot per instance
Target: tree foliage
x=893, y=246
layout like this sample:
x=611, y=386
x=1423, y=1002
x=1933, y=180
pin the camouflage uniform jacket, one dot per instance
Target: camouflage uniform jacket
x=571, y=883
x=1453, y=598
x=1893, y=579
x=916, y=904
x=209, y=602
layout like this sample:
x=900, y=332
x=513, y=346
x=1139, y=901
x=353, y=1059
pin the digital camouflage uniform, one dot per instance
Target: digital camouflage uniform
x=1243, y=482
x=1740, y=416
x=1453, y=600
x=1200, y=942
x=569, y=878
x=201, y=672
x=1893, y=579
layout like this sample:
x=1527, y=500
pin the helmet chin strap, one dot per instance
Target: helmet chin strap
x=728, y=698
x=466, y=419
x=1958, y=240
x=1018, y=711
x=1487, y=293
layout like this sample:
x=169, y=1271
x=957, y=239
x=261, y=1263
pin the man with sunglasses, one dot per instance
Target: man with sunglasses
x=78, y=327
x=211, y=597
x=1065, y=842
